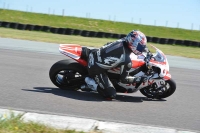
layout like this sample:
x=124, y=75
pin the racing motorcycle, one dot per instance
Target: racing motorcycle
x=70, y=74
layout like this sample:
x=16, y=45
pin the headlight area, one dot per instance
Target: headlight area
x=156, y=69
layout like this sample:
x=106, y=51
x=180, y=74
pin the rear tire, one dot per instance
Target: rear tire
x=168, y=91
x=67, y=74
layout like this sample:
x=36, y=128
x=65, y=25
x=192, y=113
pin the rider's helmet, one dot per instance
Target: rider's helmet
x=136, y=41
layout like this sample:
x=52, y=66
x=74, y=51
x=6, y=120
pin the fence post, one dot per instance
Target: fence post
x=26, y=8
x=4, y=5
x=114, y=19
x=49, y=11
x=166, y=23
x=192, y=26
x=178, y=25
x=63, y=12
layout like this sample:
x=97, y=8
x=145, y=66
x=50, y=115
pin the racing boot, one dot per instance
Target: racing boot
x=91, y=85
x=108, y=93
x=105, y=87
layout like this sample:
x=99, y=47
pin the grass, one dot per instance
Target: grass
x=96, y=25
x=185, y=51
x=54, y=38
x=15, y=124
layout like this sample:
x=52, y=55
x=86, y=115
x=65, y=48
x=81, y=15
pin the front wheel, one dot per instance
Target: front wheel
x=67, y=74
x=158, y=93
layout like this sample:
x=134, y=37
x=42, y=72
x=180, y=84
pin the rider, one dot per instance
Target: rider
x=111, y=55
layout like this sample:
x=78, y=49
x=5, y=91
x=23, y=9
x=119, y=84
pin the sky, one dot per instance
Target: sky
x=169, y=13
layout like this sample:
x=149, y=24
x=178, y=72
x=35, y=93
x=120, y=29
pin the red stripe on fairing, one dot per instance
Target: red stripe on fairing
x=79, y=60
x=167, y=76
x=137, y=63
x=82, y=62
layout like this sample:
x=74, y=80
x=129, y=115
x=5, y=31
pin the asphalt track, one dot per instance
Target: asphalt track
x=25, y=85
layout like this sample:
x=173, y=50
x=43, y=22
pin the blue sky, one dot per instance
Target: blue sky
x=171, y=13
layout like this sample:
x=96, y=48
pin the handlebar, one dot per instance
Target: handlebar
x=148, y=57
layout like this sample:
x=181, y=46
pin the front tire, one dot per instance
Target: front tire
x=167, y=90
x=67, y=74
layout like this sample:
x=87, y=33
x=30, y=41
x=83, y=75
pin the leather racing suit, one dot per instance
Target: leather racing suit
x=111, y=55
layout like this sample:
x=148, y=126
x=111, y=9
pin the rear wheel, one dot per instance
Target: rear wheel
x=162, y=92
x=67, y=74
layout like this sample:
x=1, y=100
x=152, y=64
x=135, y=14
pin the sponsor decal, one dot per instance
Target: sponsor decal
x=70, y=54
x=91, y=60
x=111, y=62
x=149, y=82
x=99, y=56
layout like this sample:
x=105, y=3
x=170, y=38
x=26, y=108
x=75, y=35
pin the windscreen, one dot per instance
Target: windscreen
x=159, y=57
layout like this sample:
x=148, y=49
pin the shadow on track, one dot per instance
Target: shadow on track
x=85, y=96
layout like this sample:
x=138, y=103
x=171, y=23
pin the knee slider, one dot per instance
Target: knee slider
x=129, y=65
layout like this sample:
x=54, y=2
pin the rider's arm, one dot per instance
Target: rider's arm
x=124, y=72
x=107, y=43
x=126, y=66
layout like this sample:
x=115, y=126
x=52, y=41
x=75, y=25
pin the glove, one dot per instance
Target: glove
x=148, y=57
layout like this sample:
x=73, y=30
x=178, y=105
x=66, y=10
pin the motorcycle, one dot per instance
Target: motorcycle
x=69, y=74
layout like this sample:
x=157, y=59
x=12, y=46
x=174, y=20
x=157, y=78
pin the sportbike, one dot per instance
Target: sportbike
x=70, y=73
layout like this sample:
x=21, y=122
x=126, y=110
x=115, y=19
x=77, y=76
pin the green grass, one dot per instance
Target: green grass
x=15, y=124
x=96, y=25
x=191, y=52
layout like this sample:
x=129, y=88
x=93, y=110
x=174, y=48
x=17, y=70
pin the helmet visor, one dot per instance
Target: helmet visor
x=140, y=47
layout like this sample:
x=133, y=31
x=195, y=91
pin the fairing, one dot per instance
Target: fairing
x=160, y=60
x=73, y=51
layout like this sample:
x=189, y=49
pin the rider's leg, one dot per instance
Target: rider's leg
x=105, y=86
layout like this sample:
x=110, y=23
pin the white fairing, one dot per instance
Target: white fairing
x=162, y=62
